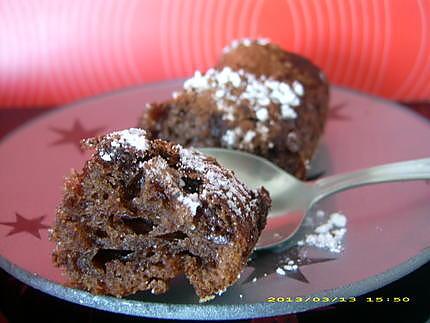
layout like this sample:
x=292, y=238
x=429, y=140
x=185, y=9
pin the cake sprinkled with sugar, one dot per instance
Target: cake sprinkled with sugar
x=141, y=212
x=230, y=88
x=220, y=183
x=266, y=101
x=129, y=138
x=259, y=99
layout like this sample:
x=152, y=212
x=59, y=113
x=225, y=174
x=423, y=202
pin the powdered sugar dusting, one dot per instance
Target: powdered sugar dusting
x=249, y=136
x=133, y=137
x=157, y=169
x=229, y=138
x=291, y=265
x=217, y=187
x=263, y=41
x=328, y=235
x=219, y=183
x=280, y=271
x=262, y=114
x=287, y=112
x=262, y=99
x=105, y=156
x=192, y=159
x=245, y=42
x=230, y=88
x=191, y=201
x=298, y=88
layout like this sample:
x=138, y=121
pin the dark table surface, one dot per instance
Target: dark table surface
x=20, y=303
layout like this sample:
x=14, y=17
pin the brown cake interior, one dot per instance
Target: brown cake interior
x=142, y=212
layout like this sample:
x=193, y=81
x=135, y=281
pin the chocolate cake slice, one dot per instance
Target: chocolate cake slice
x=142, y=212
x=260, y=99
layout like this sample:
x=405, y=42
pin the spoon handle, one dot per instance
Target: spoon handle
x=418, y=169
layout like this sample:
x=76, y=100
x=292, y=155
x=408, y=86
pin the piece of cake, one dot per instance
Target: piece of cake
x=142, y=212
x=260, y=99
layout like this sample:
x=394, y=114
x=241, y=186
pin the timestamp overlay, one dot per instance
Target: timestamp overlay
x=335, y=299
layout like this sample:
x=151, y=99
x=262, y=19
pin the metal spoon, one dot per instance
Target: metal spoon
x=292, y=198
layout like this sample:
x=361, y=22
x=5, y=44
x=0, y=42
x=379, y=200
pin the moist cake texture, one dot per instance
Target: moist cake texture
x=259, y=98
x=142, y=212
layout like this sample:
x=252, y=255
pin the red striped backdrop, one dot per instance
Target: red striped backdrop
x=57, y=51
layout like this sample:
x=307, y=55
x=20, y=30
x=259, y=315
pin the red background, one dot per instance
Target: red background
x=53, y=51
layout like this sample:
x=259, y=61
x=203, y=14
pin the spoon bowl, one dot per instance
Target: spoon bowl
x=292, y=198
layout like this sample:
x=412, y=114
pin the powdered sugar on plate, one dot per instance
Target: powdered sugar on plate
x=328, y=231
x=328, y=235
x=290, y=265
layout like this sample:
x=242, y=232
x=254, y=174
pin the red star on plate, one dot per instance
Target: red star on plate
x=266, y=264
x=75, y=134
x=31, y=226
x=335, y=112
